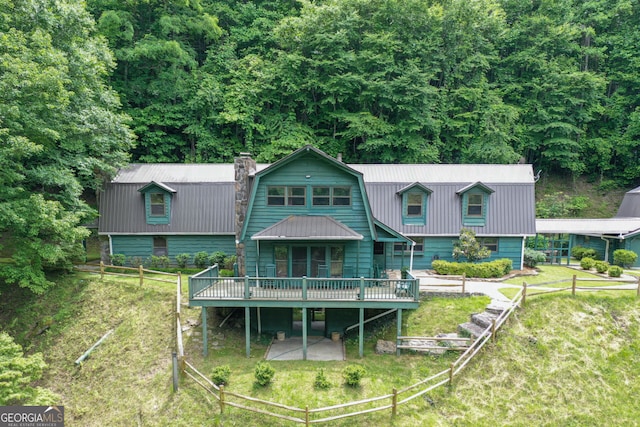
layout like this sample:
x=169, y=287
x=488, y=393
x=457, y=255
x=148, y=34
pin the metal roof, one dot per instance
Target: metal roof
x=438, y=173
x=204, y=198
x=620, y=227
x=307, y=227
x=630, y=206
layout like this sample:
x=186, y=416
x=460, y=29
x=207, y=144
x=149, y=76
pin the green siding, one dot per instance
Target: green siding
x=153, y=219
x=594, y=243
x=309, y=171
x=442, y=248
x=142, y=246
x=633, y=244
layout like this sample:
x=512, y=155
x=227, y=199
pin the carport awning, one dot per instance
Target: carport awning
x=307, y=228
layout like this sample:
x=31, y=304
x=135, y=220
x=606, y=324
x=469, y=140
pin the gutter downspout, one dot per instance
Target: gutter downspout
x=606, y=248
x=110, y=245
x=411, y=257
x=524, y=238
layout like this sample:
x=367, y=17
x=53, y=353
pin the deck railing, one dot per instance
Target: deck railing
x=208, y=285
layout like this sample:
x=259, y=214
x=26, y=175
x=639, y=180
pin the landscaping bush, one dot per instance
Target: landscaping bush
x=533, y=258
x=352, y=375
x=118, y=259
x=601, y=266
x=321, y=382
x=183, y=259
x=200, y=259
x=264, y=373
x=615, y=271
x=160, y=261
x=624, y=258
x=221, y=374
x=496, y=268
x=579, y=252
x=225, y=273
x=229, y=261
x=587, y=263
x=136, y=261
x=217, y=258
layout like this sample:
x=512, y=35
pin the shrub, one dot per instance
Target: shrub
x=136, y=261
x=624, y=258
x=160, y=261
x=225, y=273
x=587, y=263
x=533, y=258
x=468, y=247
x=615, y=271
x=118, y=259
x=217, y=258
x=200, y=259
x=221, y=374
x=601, y=266
x=496, y=268
x=579, y=252
x=352, y=375
x=321, y=382
x=183, y=259
x=229, y=261
x=264, y=373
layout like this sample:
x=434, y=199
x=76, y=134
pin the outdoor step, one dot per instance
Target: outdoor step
x=471, y=329
x=483, y=319
x=498, y=307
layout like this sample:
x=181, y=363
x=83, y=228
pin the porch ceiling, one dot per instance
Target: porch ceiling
x=307, y=228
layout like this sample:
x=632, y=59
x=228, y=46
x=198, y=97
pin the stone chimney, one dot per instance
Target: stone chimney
x=244, y=167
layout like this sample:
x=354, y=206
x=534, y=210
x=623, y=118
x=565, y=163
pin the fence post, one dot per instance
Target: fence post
x=573, y=285
x=394, y=402
x=638, y=288
x=464, y=281
x=524, y=293
x=493, y=330
x=141, y=273
x=101, y=270
x=174, y=359
x=306, y=415
x=451, y=375
x=221, y=399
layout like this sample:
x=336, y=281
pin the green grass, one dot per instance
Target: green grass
x=561, y=360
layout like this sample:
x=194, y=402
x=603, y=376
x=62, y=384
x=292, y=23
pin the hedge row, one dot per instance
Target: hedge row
x=497, y=268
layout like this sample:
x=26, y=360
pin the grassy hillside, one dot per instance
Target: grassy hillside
x=560, y=361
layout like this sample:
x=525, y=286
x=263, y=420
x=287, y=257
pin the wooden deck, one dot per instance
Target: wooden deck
x=206, y=288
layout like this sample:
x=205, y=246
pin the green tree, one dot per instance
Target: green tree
x=18, y=373
x=60, y=134
x=467, y=246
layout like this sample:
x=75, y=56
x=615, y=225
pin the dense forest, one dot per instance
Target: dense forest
x=87, y=87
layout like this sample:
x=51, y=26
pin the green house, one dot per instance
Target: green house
x=315, y=237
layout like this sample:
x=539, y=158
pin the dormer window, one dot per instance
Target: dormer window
x=475, y=201
x=157, y=202
x=414, y=204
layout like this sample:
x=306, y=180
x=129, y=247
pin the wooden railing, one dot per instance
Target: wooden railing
x=138, y=272
x=208, y=285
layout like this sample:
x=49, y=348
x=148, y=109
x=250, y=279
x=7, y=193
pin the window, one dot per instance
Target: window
x=474, y=206
x=490, y=243
x=157, y=204
x=296, y=196
x=160, y=246
x=418, y=248
x=331, y=196
x=275, y=196
x=286, y=196
x=341, y=196
x=414, y=204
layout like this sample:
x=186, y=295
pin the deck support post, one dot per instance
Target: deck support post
x=304, y=333
x=205, y=346
x=247, y=330
x=361, y=334
x=398, y=331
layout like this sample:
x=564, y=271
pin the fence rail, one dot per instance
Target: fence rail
x=105, y=270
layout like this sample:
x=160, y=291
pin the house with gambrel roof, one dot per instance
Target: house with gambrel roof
x=311, y=232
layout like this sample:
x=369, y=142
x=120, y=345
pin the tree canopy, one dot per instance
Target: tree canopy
x=61, y=133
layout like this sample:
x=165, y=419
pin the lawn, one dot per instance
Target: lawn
x=542, y=370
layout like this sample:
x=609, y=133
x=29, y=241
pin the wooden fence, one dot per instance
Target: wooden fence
x=107, y=270
x=461, y=285
x=574, y=287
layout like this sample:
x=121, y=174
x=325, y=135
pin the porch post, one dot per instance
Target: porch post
x=304, y=333
x=247, y=330
x=205, y=347
x=361, y=334
x=398, y=331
